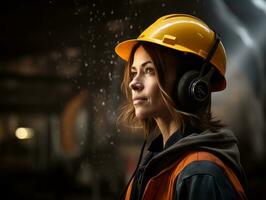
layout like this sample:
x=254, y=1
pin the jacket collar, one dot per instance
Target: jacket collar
x=157, y=144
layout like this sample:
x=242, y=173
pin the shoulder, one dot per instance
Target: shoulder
x=201, y=163
x=202, y=167
x=201, y=178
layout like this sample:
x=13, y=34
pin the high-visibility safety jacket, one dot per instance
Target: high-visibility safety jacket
x=162, y=185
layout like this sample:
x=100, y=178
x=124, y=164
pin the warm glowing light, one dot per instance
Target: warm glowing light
x=24, y=133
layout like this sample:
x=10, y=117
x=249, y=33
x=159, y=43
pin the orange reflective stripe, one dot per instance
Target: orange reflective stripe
x=210, y=157
x=129, y=190
x=162, y=185
x=202, y=155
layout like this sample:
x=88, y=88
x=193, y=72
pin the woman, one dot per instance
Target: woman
x=172, y=68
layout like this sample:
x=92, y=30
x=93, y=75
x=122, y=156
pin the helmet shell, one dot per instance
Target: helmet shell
x=184, y=33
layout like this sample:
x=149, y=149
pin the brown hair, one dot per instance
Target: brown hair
x=164, y=58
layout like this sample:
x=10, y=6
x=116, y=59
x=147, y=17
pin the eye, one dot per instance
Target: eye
x=133, y=74
x=149, y=70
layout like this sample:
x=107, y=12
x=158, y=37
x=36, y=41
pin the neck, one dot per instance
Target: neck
x=167, y=126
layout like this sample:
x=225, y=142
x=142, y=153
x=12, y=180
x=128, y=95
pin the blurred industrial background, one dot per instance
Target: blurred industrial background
x=60, y=92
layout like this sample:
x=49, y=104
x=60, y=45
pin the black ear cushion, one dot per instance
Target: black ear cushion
x=186, y=102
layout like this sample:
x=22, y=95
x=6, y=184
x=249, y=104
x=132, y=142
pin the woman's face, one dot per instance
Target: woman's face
x=146, y=95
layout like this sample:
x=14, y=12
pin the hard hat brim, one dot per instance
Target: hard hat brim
x=124, y=49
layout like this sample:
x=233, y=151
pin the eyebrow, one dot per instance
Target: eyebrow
x=142, y=65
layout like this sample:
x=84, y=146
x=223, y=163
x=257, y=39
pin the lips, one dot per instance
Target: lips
x=139, y=100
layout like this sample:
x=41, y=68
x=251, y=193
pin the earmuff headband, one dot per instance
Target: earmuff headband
x=210, y=54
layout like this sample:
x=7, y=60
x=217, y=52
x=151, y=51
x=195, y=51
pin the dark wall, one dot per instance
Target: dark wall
x=60, y=77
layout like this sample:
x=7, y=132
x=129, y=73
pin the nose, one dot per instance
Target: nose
x=136, y=85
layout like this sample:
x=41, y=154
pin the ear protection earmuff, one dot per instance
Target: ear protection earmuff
x=193, y=88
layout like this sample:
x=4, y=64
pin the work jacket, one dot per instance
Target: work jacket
x=196, y=166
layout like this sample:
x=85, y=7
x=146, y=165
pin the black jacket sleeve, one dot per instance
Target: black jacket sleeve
x=203, y=180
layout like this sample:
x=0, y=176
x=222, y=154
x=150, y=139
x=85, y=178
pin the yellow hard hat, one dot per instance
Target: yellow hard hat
x=184, y=33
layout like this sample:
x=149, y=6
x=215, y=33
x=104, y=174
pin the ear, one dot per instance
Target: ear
x=192, y=92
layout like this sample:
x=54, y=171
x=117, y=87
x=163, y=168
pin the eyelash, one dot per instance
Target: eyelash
x=133, y=74
x=147, y=70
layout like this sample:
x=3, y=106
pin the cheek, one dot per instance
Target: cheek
x=155, y=93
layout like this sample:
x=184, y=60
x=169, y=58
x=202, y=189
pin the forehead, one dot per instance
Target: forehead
x=140, y=56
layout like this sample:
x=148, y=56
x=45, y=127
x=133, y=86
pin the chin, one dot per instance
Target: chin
x=142, y=114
